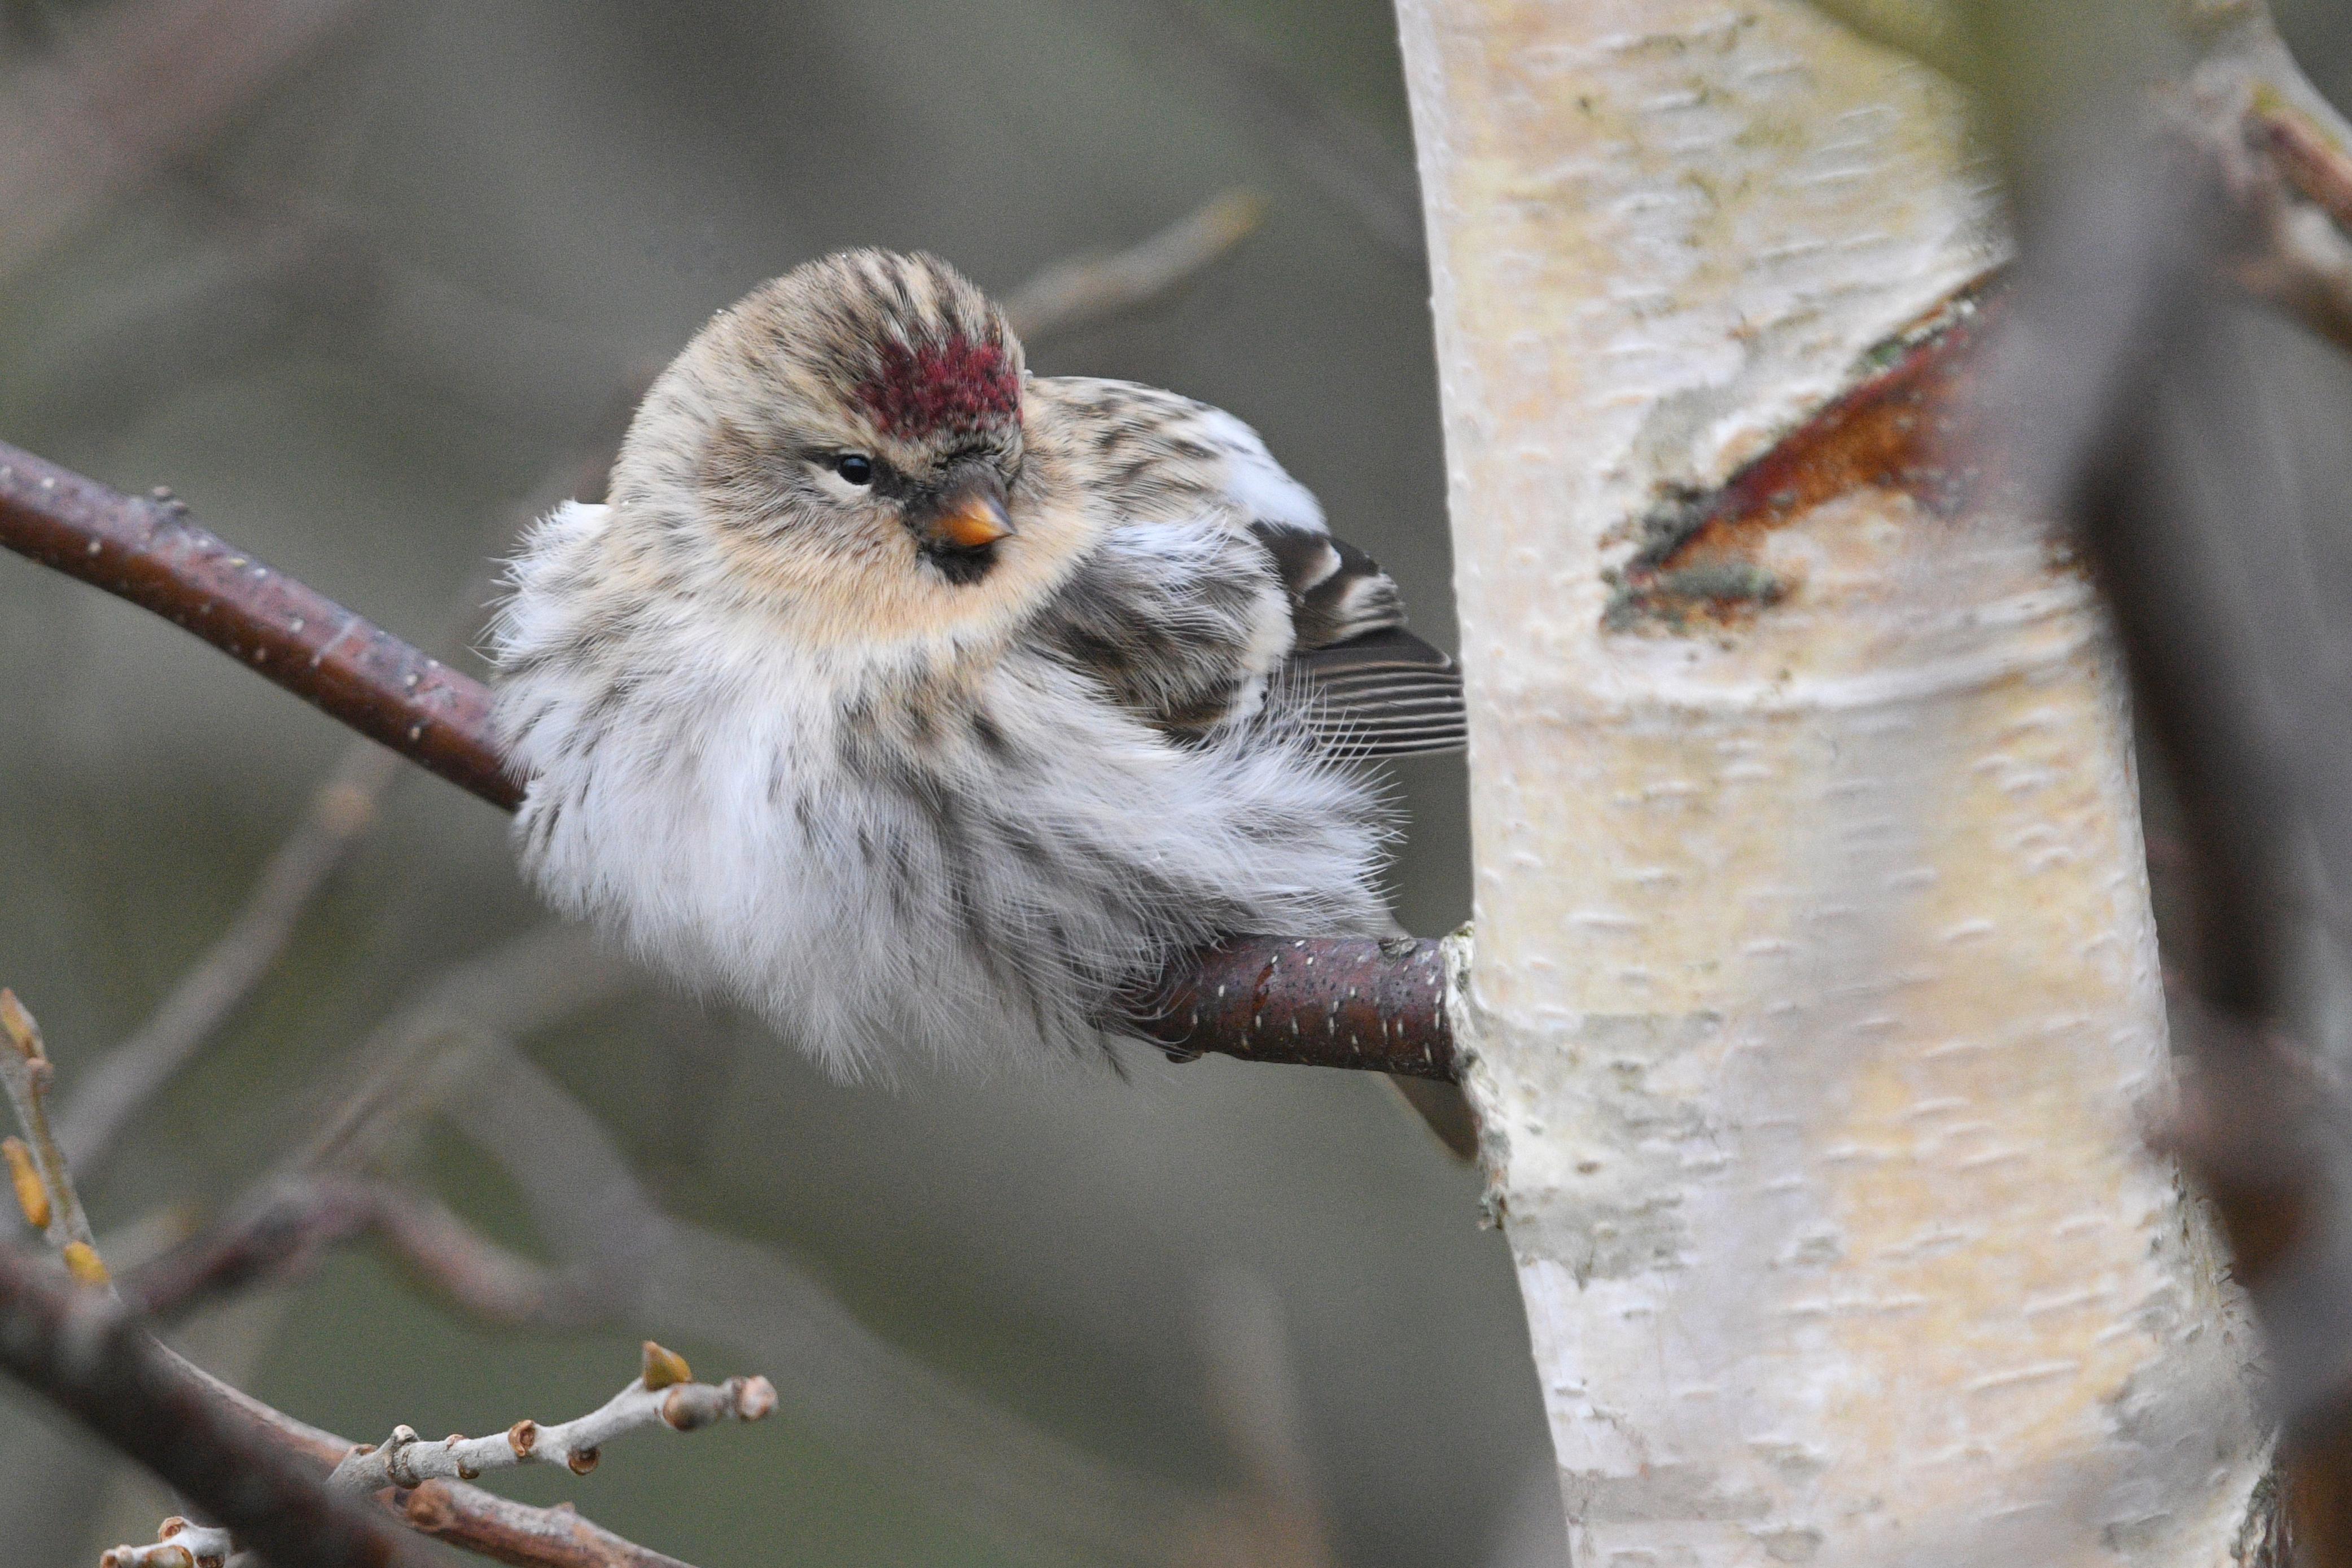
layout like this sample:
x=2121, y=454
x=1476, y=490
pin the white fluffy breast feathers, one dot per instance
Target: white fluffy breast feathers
x=926, y=705
x=979, y=866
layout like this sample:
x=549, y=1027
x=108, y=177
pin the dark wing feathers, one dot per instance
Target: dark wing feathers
x=1384, y=692
x=1184, y=653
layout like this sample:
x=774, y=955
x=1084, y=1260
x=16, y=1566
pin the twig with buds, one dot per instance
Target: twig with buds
x=255, y=1467
x=177, y=1544
x=425, y=1483
x=87, y=1352
x=37, y=1168
x=1368, y=1004
x=663, y=1394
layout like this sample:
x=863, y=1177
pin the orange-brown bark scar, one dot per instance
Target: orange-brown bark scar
x=1698, y=563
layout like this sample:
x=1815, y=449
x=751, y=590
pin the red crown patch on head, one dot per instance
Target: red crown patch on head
x=956, y=384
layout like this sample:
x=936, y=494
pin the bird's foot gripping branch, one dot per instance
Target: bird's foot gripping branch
x=1332, y=1002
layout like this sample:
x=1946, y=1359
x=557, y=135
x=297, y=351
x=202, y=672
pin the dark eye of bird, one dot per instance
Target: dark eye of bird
x=855, y=466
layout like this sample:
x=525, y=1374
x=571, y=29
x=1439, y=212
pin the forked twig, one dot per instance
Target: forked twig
x=255, y=1468
x=87, y=1352
x=293, y=1222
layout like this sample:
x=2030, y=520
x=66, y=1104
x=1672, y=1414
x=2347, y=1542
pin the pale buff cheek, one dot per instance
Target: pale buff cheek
x=604, y=589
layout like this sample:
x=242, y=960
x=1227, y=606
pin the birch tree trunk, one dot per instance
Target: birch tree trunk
x=1813, y=1011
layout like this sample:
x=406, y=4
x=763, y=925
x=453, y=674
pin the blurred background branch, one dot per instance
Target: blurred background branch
x=93, y=112
x=1086, y=290
x=114, y=1091
x=1344, y=158
x=2126, y=394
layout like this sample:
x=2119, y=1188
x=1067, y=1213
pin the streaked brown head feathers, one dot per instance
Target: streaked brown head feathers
x=849, y=436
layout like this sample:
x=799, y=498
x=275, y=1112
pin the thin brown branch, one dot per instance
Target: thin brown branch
x=1375, y=1003
x=146, y=550
x=85, y=1350
x=284, y=1232
x=88, y=1354
x=1257, y=998
x=517, y=1534
x=1086, y=290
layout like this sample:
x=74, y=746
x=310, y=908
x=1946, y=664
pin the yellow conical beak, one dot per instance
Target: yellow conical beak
x=975, y=518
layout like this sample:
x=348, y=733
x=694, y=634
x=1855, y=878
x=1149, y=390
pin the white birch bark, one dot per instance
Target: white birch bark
x=1813, y=1007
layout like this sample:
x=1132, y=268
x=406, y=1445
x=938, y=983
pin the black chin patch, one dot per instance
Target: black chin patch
x=962, y=567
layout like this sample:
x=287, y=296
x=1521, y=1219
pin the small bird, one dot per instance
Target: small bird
x=929, y=707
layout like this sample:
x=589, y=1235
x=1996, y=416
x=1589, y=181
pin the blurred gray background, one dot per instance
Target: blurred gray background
x=364, y=281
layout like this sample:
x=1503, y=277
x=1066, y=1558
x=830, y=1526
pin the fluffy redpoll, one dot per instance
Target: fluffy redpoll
x=928, y=706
